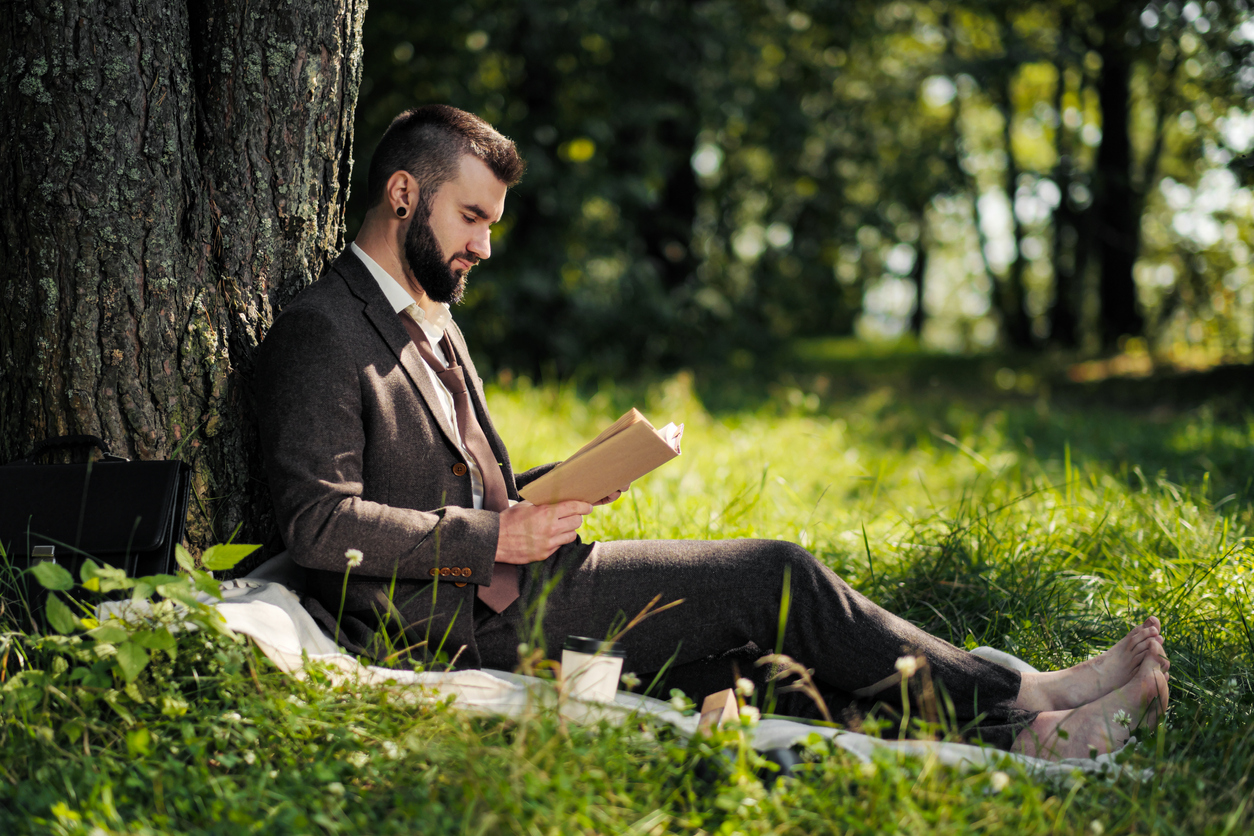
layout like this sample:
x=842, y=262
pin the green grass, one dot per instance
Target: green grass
x=1042, y=527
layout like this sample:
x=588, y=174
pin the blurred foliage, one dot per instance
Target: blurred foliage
x=713, y=179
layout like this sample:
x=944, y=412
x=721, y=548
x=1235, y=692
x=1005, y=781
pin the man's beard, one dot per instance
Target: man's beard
x=426, y=261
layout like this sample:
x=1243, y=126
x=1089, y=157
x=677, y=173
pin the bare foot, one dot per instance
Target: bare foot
x=1100, y=726
x=1091, y=680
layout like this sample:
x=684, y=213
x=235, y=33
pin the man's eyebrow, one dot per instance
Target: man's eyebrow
x=475, y=209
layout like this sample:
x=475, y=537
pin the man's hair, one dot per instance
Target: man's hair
x=429, y=143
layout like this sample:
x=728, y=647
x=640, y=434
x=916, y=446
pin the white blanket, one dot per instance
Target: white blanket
x=271, y=615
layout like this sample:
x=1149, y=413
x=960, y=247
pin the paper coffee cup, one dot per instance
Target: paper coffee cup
x=591, y=668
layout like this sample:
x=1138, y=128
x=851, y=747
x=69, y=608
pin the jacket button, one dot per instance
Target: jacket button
x=444, y=571
x=459, y=469
x=433, y=572
x=465, y=571
x=459, y=584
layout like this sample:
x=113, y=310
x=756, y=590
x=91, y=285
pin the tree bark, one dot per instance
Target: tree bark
x=1016, y=326
x=1064, y=318
x=1116, y=205
x=170, y=175
x=918, y=274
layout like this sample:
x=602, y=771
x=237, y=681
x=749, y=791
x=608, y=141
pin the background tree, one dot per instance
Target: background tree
x=170, y=174
x=720, y=178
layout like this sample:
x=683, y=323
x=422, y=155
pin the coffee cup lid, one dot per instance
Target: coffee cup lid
x=593, y=647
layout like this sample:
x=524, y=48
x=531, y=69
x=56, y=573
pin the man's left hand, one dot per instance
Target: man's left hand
x=607, y=500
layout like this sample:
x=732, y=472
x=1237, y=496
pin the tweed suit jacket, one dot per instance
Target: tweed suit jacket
x=360, y=455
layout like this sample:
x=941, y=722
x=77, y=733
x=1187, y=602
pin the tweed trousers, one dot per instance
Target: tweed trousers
x=731, y=592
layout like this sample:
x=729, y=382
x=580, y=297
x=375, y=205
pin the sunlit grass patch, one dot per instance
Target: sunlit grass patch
x=1024, y=524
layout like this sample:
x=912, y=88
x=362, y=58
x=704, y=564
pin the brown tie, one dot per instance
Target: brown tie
x=503, y=590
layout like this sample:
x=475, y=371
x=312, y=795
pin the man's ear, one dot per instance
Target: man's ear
x=401, y=194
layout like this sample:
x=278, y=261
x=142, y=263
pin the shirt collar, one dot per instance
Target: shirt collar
x=400, y=299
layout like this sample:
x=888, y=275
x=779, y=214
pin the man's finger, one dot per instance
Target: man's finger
x=573, y=506
x=568, y=524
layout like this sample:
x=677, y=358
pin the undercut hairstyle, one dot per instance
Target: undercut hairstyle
x=429, y=143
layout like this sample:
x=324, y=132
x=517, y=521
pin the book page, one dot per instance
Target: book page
x=672, y=435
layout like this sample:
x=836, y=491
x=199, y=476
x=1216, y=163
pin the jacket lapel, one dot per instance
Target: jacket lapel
x=386, y=321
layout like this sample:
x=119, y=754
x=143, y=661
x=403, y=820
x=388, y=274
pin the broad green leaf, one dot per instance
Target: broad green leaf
x=59, y=615
x=88, y=570
x=225, y=556
x=52, y=576
x=179, y=591
x=73, y=730
x=131, y=660
x=143, y=589
x=106, y=578
x=159, y=639
x=138, y=742
x=184, y=558
x=206, y=584
x=110, y=633
x=215, y=621
x=173, y=706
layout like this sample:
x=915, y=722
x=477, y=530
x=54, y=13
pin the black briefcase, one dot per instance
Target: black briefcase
x=127, y=514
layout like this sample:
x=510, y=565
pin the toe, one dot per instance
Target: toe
x=1147, y=646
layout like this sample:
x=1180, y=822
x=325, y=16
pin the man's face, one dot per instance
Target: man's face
x=450, y=231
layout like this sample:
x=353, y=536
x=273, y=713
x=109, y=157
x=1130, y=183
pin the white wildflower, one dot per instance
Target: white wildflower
x=354, y=557
x=358, y=759
x=998, y=781
x=907, y=666
x=1097, y=827
x=1121, y=718
x=749, y=716
x=335, y=788
x=391, y=749
x=744, y=687
x=250, y=758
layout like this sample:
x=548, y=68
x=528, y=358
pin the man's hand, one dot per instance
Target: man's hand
x=607, y=500
x=533, y=532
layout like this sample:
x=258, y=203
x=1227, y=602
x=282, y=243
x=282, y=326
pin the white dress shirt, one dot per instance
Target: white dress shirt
x=433, y=327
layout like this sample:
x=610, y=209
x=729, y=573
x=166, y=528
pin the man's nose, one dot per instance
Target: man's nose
x=481, y=244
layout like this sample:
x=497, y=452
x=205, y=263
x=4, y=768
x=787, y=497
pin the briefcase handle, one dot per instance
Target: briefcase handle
x=67, y=441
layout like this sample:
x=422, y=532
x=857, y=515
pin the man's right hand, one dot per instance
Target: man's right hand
x=533, y=532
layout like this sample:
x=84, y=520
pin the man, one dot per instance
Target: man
x=377, y=439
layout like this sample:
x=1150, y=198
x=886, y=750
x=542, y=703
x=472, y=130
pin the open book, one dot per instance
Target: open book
x=627, y=449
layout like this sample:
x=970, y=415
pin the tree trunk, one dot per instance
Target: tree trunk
x=1016, y=326
x=1115, y=210
x=918, y=275
x=170, y=175
x=1064, y=320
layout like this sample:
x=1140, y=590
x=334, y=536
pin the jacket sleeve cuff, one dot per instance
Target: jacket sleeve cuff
x=460, y=549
